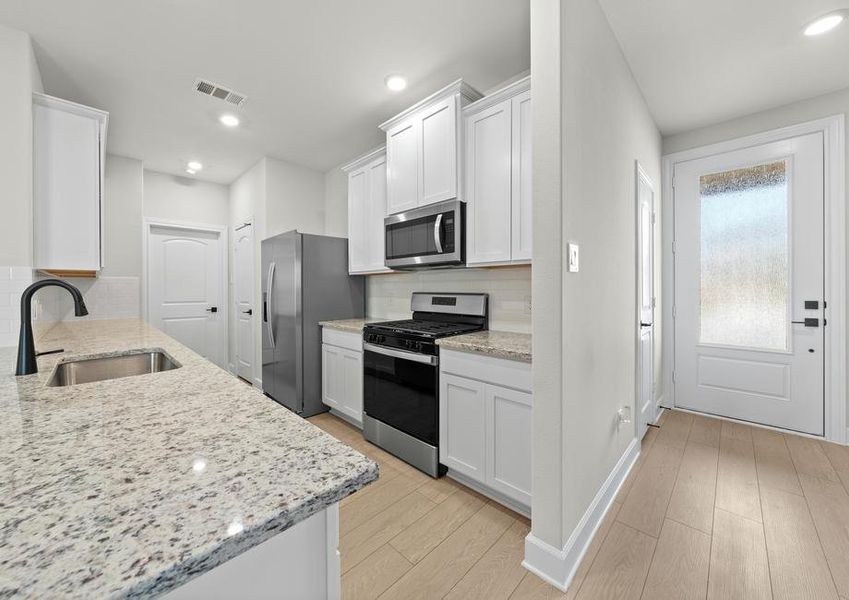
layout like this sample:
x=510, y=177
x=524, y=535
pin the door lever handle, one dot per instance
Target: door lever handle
x=645, y=324
x=248, y=312
x=212, y=309
x=809, y=322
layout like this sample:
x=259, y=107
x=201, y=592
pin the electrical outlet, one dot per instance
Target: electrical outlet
x=528, y=305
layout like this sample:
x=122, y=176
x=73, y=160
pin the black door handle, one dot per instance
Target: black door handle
x=645, y=324
x=212, y=309
x=808, y=322
x=248, y=312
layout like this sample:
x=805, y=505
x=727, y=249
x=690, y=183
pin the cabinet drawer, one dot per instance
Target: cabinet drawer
x=507, y=373
x=342, y=339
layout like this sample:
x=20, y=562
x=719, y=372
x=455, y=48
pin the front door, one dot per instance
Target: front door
x=185, y=274
x=749, y=284
x=243, y=292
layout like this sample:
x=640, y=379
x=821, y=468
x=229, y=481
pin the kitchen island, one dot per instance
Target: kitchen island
x=133, y=487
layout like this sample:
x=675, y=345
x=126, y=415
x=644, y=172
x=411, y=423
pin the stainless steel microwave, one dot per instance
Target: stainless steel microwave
x=427, y=237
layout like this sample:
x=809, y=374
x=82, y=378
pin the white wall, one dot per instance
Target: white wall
x=294, y=198
x=590, y=125
x=336, y=202
x=509, y=289
x=124, y=198
x=836, y=103
x=20, y=79
x=183, y=199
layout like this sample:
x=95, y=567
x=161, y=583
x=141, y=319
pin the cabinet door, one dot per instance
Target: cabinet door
x=352, y=381
x=488, y=188
x=375, y=237
x=508, y=445
x=66, y=211
x=358, y=221
x=402, y=161
x=462, y=421
x=438, y=160
x=522, y=201
x=332, y=376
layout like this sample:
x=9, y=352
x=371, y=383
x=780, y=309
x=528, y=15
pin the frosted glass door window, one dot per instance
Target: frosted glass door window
x=744, y=286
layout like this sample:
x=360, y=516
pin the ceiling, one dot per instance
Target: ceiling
x=703, y=62
x=313, y=71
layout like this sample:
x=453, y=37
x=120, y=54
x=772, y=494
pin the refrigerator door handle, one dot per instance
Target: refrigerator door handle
x=269, y=286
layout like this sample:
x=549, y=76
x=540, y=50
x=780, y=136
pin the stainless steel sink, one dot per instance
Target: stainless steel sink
x=86, y=370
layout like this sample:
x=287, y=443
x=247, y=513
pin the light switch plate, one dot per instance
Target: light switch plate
x=574, y=257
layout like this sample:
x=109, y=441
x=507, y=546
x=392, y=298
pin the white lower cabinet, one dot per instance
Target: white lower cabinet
x=342, y=374
x=462, y=435
x=485, y=410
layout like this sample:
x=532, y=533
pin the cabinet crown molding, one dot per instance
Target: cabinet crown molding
x=508, y=91
x=364, y=159
x=72, y=107
x=452, y=89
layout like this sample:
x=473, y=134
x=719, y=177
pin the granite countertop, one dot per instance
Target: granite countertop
x=130, y=487
x=350, y=325
x=498, y=344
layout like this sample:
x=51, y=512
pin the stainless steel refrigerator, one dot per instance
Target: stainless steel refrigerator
x=305, y=280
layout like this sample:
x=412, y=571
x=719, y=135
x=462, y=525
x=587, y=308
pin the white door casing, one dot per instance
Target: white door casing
x=184, y=279
x=749, y=251
x=645, y=301
x=244, y=304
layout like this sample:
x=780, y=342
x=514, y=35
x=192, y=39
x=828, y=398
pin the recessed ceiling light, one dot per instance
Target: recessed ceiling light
x=396, y=83
x=194, y=166
x=229, y=120
x=824, y=23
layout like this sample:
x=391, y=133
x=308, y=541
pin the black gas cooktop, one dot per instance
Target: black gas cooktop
x=429, y=328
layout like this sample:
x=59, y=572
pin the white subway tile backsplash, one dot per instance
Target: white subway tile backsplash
x=509, y=289
x=105, y=298
x=13, y=281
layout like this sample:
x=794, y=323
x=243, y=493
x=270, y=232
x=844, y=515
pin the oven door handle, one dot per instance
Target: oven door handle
x=437, y=233
x=419, y=358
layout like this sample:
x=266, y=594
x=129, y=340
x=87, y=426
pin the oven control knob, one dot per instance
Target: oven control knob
x=416, y=346
x=381, y=339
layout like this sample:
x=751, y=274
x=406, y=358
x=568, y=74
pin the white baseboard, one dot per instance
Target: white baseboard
x=557, y=566
x=258, y=383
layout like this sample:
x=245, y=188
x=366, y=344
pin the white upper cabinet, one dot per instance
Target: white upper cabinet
x=488, y=184
x=366, y=209
x=424, y=150
x=498, y=177
x=402, y=152
x=438, y=164
x=68, y=156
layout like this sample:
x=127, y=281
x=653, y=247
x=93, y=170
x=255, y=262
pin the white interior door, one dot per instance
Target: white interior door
x=645, y=241
x=243, y=293
x=185, y=275
x=749, y=284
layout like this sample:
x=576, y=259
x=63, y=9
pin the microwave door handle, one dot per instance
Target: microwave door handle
x=437, y=233
x=269, y=322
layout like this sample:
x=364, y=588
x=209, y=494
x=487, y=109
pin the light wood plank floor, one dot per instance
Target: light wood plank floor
x=711, y=510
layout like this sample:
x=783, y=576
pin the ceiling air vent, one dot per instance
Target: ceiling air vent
x=209, y=88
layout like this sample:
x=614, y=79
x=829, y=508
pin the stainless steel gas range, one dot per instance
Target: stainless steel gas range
x=401, y=374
